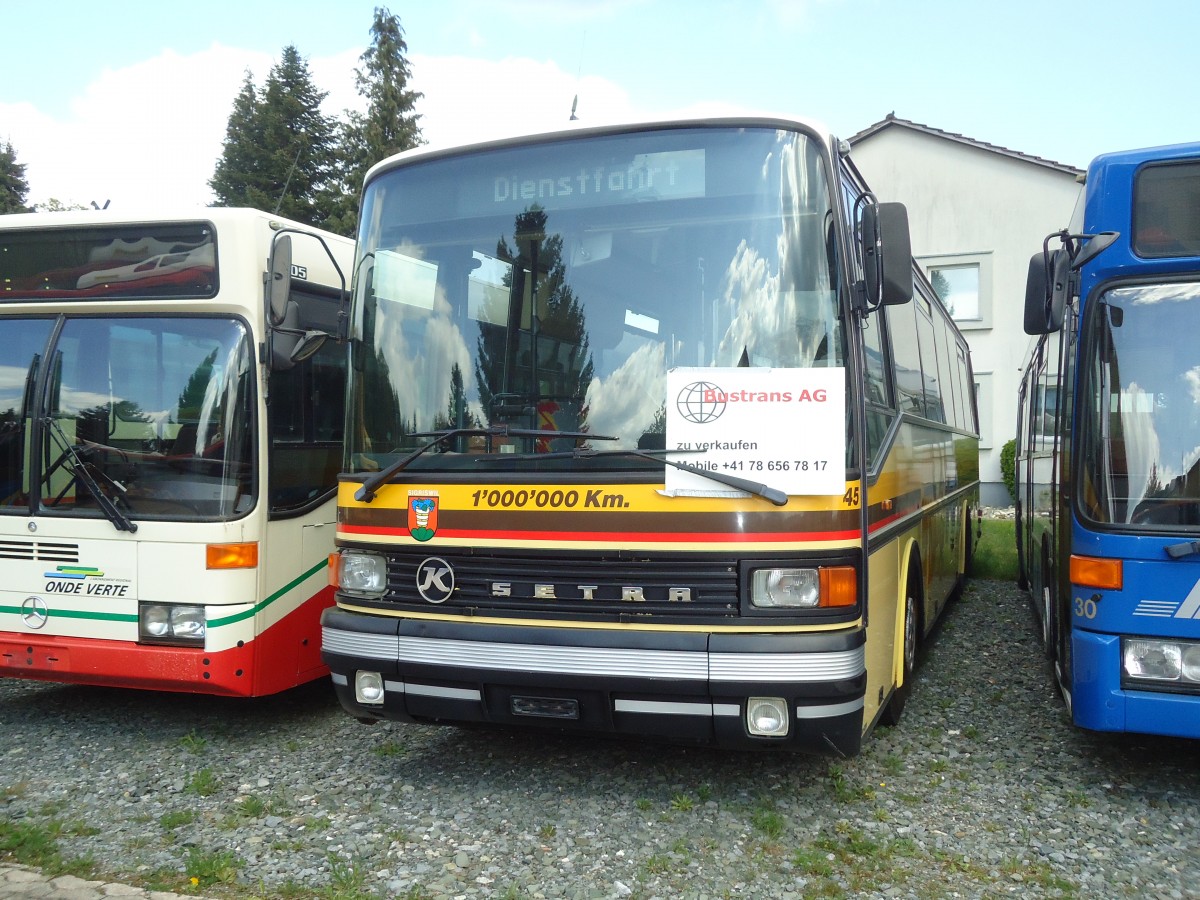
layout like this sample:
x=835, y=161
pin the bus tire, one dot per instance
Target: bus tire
x=968, y=554
x=1061, y=636
x=1045, y=609
x=1018, y=521
x=895, y=706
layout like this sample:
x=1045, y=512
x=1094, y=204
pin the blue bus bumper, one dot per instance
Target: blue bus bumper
x=1100, y=703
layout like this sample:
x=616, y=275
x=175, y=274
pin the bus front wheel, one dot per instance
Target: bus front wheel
x=895, y=705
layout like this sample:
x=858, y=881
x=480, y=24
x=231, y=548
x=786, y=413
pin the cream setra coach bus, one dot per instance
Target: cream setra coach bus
x=649, y=434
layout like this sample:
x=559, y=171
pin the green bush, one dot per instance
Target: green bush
x=1008, y=467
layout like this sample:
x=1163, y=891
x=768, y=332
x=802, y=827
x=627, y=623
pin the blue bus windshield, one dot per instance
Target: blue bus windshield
x=1140, y=410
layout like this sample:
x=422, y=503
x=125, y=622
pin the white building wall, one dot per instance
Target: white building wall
x=971, y=204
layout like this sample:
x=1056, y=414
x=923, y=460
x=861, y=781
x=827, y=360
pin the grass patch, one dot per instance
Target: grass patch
x=204, y=783
x=995, y=553
x=207, y=868
x=36, y=845
x=176, y=819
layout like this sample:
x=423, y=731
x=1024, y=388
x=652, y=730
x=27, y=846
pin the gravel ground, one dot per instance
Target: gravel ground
x=984, y=790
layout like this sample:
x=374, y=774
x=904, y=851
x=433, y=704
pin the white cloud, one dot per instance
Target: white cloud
x=148, y=135
x=472, y=99
x=139, y=136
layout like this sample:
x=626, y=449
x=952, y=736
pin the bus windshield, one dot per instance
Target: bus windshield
x=513, y=295
x=1141, y=411
x=138, y=417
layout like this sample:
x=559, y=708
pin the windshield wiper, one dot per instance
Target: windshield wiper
x=1178, y=551
x=81, y=470
x=366, y=493
x=758, y=489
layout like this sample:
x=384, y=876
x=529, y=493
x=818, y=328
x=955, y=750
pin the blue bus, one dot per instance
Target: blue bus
x=1108, y=446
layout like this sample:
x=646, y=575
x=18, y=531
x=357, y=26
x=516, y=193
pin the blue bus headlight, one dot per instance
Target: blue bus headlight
x=1191, y=663
x=1161, y=661
x=362, y=574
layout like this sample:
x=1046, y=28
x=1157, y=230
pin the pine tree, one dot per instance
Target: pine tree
x=390, y=123
x=240, y=177
x=14, y=188
x=279, y=147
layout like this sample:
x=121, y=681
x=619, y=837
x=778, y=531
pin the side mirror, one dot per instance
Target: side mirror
x=308, y=345
x=1046, y=287
x=280, y=285
x=290, y=344
x=887, y=253
x=1094, y=247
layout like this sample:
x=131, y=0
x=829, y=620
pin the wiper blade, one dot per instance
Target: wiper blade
x=1178, y=551
x=758, y=489
x=366, y=493
x=82, y=471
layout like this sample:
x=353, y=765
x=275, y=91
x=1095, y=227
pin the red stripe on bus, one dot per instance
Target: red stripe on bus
x=618, y=536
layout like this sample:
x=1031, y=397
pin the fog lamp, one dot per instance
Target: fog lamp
x=368, y=688
x=767, y=716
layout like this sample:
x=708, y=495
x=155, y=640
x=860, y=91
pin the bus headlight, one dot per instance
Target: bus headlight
x=785, y=589
x=1191, y=663
x=171, y=623
x=826, y=587
x=154, y=621
x=1145, y=659
x=362, y=574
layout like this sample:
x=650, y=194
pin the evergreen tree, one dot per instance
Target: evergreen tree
x=14, y=188
x=390, y=123
x=279, y=147
x=240, y=177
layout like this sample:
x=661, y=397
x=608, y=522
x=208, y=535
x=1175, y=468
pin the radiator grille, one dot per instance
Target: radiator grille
x=643, y=587
x=40, y=551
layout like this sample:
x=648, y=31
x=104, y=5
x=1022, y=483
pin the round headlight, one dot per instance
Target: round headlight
x=1191, y=663
x=154, y=621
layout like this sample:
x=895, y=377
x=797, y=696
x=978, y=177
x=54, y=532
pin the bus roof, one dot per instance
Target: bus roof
x=579, y=129
x=1164, y=153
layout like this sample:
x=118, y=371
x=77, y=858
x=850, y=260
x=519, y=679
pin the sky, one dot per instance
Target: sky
x=128, y=104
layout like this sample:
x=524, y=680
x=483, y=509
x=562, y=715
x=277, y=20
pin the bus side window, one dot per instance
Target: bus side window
x=902, y=326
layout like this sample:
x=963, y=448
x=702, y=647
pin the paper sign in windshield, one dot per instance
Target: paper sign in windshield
x=784, y=428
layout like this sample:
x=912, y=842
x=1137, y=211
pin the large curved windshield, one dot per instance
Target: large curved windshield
x=550, y=288
x=1140, y=409
x=138, y=418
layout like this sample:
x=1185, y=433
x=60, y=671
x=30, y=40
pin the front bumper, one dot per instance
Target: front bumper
x=689, y=686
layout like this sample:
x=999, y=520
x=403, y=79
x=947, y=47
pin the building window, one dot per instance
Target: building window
x=958, y=286
x=964, y=282
x=983, y=403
